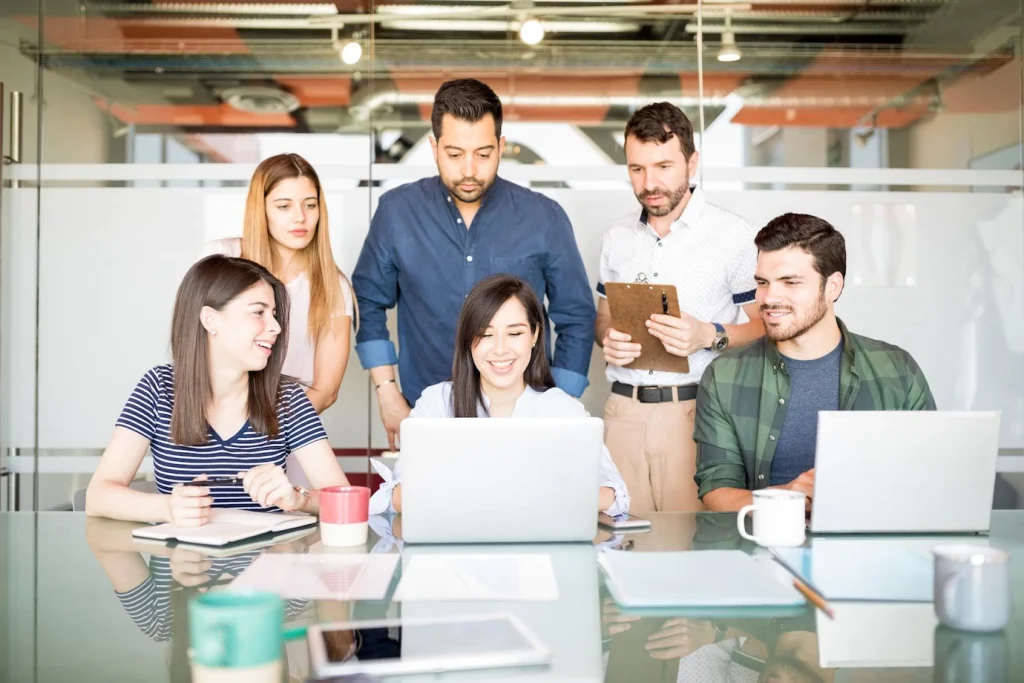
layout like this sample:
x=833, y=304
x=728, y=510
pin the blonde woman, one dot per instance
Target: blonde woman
x=286, y=233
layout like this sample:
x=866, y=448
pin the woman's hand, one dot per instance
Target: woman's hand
x=190, y=505
x=189, y=568
x=268, y=485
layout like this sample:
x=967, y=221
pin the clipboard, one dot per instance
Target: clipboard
x=632, y=305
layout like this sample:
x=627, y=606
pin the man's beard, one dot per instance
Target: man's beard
x=674, y=198
x=796, y=325
x=469, y=197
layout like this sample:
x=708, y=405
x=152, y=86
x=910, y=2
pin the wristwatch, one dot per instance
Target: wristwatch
x=721, y=338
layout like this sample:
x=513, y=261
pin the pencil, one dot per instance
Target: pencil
x=816, y=599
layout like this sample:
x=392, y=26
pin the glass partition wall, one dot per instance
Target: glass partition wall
x=141, y=123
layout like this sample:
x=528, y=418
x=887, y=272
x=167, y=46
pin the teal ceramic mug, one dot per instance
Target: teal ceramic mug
x=236, y=636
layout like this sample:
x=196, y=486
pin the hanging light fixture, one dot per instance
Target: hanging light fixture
x=730, y=51
x=531, y=32
x=352, y=52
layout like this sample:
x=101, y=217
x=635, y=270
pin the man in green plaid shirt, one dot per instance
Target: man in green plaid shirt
x=757, y=405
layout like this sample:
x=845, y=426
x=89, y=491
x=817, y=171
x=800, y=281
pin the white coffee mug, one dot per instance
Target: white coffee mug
x=778, y=518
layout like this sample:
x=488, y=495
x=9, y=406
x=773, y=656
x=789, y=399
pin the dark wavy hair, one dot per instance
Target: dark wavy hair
x=478, y=310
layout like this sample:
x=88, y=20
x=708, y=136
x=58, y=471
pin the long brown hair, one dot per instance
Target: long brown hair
x=478, y=310
x=215, y=281
x=325, y=295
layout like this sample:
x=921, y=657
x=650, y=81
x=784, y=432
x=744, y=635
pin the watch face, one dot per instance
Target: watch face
x=721, y=343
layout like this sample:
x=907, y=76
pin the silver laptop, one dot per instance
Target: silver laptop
x=500, y=480
x=904, y=471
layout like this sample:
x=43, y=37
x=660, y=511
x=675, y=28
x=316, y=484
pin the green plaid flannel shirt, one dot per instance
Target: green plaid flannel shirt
x=742, y=401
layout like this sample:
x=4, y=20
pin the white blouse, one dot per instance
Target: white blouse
x=298, y=363
x=436, y=401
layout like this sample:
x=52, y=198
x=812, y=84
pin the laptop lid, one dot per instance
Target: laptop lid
x=904, y=471
x=500, y=480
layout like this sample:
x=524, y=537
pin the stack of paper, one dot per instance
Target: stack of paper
x=320, y=577
x=522, y=578
x=862, y=569
x=702, y=578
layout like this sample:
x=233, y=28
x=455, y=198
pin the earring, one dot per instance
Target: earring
x=213, y=331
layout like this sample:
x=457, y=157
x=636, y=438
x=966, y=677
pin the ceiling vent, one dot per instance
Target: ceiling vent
x=260, y=100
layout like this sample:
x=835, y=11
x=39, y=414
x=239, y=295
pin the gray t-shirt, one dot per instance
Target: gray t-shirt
x=814, y=386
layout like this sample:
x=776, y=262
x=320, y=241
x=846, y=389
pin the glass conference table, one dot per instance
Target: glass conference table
x=79, y=601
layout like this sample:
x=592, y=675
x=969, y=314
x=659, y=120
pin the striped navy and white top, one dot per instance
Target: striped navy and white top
x=149, y=603
x=148, y=412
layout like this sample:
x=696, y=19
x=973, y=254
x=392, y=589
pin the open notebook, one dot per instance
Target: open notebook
x=227, y=526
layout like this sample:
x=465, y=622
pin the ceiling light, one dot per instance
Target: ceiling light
x=730, y=51
x=351, y=53
x=531, y=32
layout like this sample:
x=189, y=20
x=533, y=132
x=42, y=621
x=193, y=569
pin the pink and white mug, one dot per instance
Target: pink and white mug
x=343, y=515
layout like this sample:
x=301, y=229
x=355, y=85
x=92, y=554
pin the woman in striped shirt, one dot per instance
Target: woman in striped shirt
x=221, y=410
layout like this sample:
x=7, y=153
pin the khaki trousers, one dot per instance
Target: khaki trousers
x=652, y=445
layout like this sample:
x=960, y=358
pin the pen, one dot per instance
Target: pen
x=806, y=588
x=789, y=568
x=223, y=481
x=815, y=598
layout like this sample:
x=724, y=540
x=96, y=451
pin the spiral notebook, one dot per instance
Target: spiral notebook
x=227, y=526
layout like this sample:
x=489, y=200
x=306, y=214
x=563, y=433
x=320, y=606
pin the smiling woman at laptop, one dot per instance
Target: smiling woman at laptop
x=220, y=411
x=500, y=370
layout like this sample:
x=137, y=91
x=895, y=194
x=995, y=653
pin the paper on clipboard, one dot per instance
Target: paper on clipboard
x=632, y=305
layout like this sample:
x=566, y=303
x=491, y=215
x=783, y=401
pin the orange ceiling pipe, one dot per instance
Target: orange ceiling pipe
x=101, y=35
x=195, y=115
x=331, y=91
x=825, y=117
x=842, y=87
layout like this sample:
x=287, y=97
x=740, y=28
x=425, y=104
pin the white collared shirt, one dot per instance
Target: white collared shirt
x=708, y=255
x=436, y=401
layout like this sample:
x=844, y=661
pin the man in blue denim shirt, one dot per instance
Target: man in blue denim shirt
x=432, y=240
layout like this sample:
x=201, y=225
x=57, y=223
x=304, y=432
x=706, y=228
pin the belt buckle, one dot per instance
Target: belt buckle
x=648, y=394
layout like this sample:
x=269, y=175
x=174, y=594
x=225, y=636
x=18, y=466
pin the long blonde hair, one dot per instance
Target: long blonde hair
x=318, y=261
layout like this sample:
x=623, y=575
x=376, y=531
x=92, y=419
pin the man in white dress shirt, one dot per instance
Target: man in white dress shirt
x=675, y=237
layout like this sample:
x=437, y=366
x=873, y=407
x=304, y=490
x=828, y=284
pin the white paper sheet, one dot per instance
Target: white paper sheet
x=529, y=578
x=320, y=577
x=863, y=569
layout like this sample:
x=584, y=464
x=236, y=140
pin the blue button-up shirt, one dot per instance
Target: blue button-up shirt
x=420, y=256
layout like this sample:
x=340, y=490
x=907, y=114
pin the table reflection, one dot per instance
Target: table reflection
x=85, y=601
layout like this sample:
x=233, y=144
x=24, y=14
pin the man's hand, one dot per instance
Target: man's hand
x=618, y=350
x=393, y=409
x=681, y=336
x=804, y=484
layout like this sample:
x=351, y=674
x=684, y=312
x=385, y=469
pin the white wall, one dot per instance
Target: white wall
x=940, y=274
